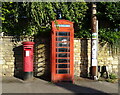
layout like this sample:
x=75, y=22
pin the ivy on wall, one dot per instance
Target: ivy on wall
x=37, y=16
x=32, y=18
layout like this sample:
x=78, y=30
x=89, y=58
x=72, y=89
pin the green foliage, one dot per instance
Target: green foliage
x=111, y=80
x=13, y=24
x=108, y=35
x=43, y=13
x=113, y=13
x=112, y=76
x=39, y=16
x=109, y=12
x=31, y=18
x=83, y=34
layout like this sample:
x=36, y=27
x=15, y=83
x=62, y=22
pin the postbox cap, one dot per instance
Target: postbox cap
x=28, y=43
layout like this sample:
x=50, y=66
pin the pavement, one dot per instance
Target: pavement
x=81, y=85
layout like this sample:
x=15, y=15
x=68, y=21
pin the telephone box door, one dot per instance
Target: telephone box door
x=62, y=51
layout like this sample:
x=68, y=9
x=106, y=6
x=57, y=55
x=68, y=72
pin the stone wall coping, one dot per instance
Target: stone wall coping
x=6, y=37
x=82, y=39
x=16, y=36
x=33, y=37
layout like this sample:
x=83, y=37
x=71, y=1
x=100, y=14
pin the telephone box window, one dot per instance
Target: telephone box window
x=63, y=39
x=63, y=33
x=63, y=65
x=63, y=71
x=63, y=55
x=66, y=44
x=63, y=60
x=63, y=50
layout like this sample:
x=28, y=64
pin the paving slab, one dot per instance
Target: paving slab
x=81, y=85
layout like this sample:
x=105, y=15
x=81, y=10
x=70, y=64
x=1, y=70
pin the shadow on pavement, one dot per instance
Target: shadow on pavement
x=80, y=89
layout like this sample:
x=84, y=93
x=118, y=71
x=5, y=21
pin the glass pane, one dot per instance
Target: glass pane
x=63, y=34
x=63, y=55
x=63, y=50
x=65, y=44
x=63, y=60
x=63, y=38
x=63, y=66
x=63, y=71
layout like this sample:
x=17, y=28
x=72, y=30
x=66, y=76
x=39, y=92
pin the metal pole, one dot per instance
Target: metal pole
x=94, y=43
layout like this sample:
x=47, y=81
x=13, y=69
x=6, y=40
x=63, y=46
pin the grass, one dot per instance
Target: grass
x=112, y=78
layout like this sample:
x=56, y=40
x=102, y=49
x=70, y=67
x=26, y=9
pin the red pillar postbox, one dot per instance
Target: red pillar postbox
x=62, y=51
x=28, y=59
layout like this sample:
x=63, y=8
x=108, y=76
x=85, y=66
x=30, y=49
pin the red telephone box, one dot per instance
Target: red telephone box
x=28, y=59
x=62, y=36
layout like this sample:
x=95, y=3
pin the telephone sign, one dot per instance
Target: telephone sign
x=62, y=25
x=62, y=36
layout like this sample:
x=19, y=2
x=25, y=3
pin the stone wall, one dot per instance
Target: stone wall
x=82, y=58
x=82, y=52
x=42, y=58
x=107, y=57
x=11, y=56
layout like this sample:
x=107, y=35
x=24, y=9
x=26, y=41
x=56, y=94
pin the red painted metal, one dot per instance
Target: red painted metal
x=28, y=56
x=55, y=76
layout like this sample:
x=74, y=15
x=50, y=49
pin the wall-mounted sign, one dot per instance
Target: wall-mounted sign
x=94, y=49
x=94, y=52
x=27, y=53
x=94, y=62
x=94, y=35
x=62, y=25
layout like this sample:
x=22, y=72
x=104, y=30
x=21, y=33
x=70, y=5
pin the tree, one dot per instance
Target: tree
x=11, y=18
x=109, y=19
x=31, y=18
x=109, y=13
x=39, y=16
x=43, y=13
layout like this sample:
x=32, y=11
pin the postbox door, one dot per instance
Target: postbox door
x=28, y=60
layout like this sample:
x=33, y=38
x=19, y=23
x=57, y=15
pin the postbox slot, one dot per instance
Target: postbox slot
x=27, y=48
x=63, y=60
x=63, y=65
x=62, y=33
x=63, y=71
x=63, y=49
